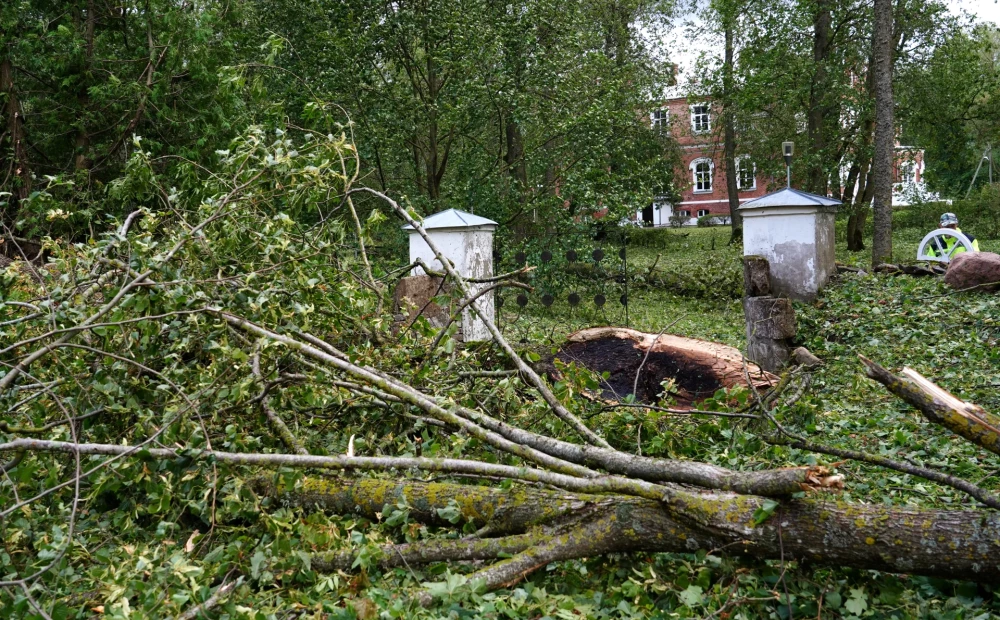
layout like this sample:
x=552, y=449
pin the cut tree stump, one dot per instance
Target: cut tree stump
x=698, y=367
x=756, y=276
x=770, y=321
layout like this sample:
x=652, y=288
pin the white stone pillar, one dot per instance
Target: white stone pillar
x=467, y=241
x=795, y=232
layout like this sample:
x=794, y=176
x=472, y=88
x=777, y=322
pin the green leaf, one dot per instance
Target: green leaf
x=255, y=564
x=691, y=596
x=857, y=603
x=762, y=513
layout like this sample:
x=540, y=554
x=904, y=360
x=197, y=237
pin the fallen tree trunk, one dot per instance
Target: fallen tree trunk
x=540, y=526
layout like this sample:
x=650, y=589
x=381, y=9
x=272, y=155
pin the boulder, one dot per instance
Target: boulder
x=979, y=270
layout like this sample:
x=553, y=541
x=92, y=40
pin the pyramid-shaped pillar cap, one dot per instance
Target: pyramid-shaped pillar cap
x=453, y=219
x=791, y=198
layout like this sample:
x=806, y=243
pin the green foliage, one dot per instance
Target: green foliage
x=530, y=111
x=950, y=107
x=978, y=215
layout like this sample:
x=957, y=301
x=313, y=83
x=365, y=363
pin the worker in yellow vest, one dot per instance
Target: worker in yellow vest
x=949, y=246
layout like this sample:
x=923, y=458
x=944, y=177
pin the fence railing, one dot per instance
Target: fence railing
x=580, y=279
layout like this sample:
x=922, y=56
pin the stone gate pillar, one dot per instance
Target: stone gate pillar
x=794, y=231
x=467, y=241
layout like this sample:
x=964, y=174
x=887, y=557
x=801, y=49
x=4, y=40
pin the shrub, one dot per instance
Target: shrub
x=979, y=215
x=677, y=220
x=707, y=221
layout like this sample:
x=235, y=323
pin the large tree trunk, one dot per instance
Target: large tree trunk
x=541, y=526
x=819, y=91
x=729, y=114
x=13, y=140
x=885, y=133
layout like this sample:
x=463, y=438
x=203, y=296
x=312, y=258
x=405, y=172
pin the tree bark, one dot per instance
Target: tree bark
x=756, y=276
x=17, y=166
x=817, y=117
x=514, y=157
x=729, y=119
x=885, y=133
x=770, y=321
x=954, y=544
x=960, y=417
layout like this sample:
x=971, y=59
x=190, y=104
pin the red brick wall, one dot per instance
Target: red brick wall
x=707, y=145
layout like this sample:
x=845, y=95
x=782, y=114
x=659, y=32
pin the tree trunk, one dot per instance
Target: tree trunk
x=81, y=144
x=729, y=114
x=17, y=167
x=859, y=211
x=817, y=97
x=770, y=321
x=514, y=157
x=638, y=362
x=885, y=134
x=541, y=526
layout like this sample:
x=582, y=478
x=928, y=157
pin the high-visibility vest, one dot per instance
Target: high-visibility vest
x=950, y=244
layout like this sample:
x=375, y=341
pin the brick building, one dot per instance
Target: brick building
x=697, y=128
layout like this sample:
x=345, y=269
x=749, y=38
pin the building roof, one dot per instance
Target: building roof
x=789, y=197
x=453, y=218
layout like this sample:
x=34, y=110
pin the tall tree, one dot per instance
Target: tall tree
x=729, y=118
x=819, y=109
x=885, y=132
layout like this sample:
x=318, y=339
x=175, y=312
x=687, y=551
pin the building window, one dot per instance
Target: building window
x=907, y=173
x=684, y=213
x=702, y=212
x=746, y=177
x=702, y=170
x=660, y=118
x=701, y=118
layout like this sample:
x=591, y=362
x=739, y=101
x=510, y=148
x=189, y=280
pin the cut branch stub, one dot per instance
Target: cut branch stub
x=698, y=367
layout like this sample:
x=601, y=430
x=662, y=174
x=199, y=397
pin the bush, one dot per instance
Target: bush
x=979, y=215
x=707, y=221
x=677, y=220
x=655, y=238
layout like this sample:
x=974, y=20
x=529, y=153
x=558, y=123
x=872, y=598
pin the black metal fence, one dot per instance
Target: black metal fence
x=581, y=278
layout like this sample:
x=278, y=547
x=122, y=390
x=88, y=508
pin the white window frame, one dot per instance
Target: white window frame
x=703, y=212
x=684, y=212
x=740, y=162
x=659, y=119
x=705, y=123
x=907, y=168
x=711, y=174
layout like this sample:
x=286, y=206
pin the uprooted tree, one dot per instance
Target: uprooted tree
x=252, y=295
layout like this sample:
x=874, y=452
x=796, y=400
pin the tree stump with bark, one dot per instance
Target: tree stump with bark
x=638, y=362
x=770, y=321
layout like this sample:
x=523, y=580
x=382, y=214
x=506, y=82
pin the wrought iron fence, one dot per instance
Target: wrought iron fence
x=581, y=278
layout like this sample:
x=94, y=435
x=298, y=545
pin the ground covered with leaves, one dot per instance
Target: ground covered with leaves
x=154, y=538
